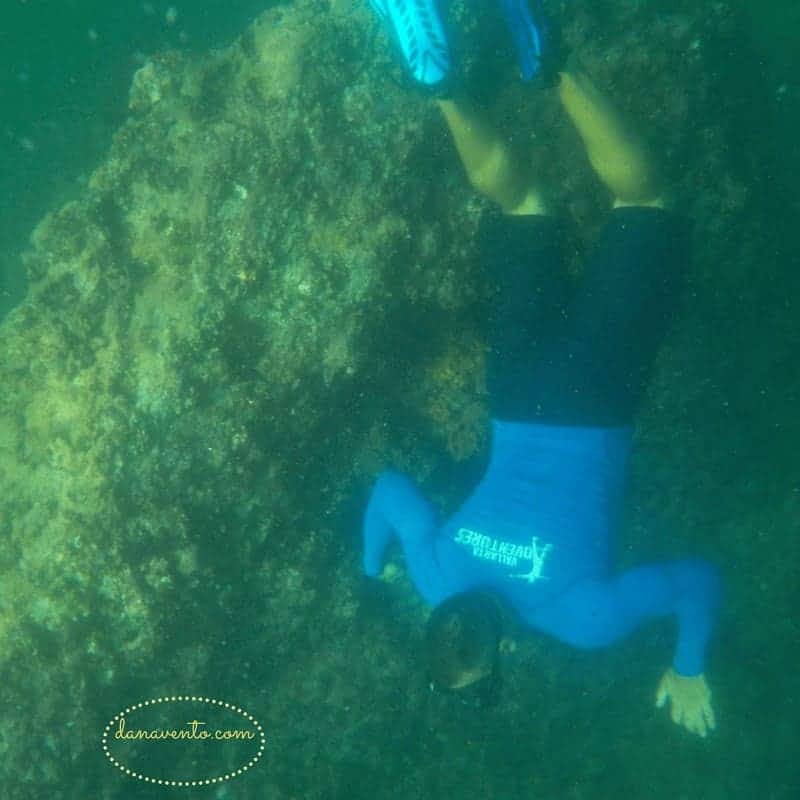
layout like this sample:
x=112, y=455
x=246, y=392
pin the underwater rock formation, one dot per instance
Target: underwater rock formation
x=267, y=292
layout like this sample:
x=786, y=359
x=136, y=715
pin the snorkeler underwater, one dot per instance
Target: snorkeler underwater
x=561, y=418
x=404, y=390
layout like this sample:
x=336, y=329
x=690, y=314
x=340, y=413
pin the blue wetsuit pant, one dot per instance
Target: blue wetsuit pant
x=579, y=356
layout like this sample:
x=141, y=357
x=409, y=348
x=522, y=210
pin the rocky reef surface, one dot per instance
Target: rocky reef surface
x=269, y=291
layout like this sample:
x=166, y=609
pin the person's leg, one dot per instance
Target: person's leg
x=598, y=357
x=523, y=252
x=489, y=162
x=616, y=152
x=596, y=353
x=524, y=257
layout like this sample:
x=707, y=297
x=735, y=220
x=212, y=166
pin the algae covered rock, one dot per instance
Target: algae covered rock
x=200, y=370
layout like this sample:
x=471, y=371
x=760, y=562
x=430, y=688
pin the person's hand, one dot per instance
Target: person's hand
x=690, y=701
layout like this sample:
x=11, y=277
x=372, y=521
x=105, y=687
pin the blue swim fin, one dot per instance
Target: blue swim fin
x=417, y=28
x=537, y=49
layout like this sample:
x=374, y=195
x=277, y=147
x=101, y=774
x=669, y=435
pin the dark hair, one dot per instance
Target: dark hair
x=463, y=635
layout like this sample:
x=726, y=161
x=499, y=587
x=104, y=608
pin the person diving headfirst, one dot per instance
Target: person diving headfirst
x=531, y=545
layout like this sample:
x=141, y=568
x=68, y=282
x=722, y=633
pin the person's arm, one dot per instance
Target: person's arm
x=397, y=506
x=597, y=613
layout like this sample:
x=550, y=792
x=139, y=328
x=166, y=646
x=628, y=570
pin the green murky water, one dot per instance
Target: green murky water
x=65, y=69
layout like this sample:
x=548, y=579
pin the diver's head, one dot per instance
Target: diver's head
x=463, y=643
